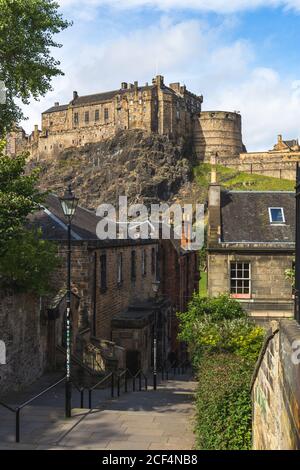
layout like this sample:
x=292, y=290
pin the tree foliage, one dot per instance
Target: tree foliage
x=27, y=28
x=224, y=344
x=26, y=260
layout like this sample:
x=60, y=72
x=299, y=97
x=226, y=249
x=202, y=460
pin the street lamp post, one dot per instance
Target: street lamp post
x=155, y=286
x=69, y=204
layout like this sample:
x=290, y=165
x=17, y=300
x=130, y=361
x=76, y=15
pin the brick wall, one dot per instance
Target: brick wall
x=276, y=393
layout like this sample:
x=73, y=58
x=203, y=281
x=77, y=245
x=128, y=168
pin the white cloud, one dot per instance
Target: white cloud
x=217, y=6
x=191, y=52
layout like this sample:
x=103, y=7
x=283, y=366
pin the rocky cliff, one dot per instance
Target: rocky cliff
x=147, y=168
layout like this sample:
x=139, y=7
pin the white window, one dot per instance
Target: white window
x=276, y=215
x=120, y=268
x=240, y=279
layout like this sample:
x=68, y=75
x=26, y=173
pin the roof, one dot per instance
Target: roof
x=245, y=217
x=62, y=107
x=51, y=221
x=94, y=98
x=291, y=143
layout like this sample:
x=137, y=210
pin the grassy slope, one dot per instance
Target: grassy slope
x=233, y=179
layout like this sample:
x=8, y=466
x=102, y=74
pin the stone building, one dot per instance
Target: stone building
x=279, y=162
x=156, y=107
x=251, y=244
x=114, y=281
x=218, y=132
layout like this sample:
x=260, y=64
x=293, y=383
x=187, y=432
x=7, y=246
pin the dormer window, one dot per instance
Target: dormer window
x=276, y=215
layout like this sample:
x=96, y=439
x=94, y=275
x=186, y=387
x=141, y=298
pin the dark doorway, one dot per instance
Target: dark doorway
x=133, y=361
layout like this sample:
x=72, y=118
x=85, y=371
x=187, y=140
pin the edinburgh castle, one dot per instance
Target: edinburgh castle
x=171, y=111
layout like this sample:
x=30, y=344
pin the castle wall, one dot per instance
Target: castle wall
x=218, y=132
x=275, y=164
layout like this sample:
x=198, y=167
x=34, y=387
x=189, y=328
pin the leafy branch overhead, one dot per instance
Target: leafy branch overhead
x=26, y=260
x=27, y=28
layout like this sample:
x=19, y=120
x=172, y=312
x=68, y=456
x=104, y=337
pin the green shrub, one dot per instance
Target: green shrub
x=223, y=404
x=224, y=344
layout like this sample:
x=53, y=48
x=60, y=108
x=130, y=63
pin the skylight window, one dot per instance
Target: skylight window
x=276, y=215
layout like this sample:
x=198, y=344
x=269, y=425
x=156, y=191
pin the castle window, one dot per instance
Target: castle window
x=153, y=261
x=76, y=118
x=276, y=215
x=103, y=272
x=144, y=263
x=97, y=115
x=106, y=114
x=140, y=101
x=240, y=280
x=120, y=268
x=86, y=116
x=133, y=265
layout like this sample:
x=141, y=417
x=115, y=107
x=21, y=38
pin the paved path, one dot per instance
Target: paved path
x=137, y=420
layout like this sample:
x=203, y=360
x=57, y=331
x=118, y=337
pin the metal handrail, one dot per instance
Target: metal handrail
x=18, y=408
x=119, y=376
x=104, y=379
x=141, y=374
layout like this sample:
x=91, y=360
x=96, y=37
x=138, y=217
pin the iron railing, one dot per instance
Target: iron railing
x=17, y=410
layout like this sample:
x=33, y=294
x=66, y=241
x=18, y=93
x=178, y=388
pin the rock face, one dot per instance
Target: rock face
x=147, y=168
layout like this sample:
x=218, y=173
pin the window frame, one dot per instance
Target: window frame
x=103, y=272
x=97, y=115
x=270, y=216
x=86, y=117
x=240, y=295
x=133, y=265
x=120, y=269
x=106, y=114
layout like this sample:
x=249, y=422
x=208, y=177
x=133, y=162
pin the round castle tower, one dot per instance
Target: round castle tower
x=218, y=132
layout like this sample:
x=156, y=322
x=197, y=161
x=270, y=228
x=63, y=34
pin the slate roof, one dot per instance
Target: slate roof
x=51, y=221
x=94, y=98
x=62, y=107
x=291, y=143
x=245, y=217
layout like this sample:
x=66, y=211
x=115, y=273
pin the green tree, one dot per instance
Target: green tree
x=27, y=28
x=26, y=260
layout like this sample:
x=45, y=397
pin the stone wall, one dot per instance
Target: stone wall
x=275, y=164
x=23, y=328
x=218, y=132
x=271, y=292
x=276, y=392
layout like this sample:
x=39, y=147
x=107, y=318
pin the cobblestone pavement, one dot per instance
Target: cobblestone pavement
x=154, y=420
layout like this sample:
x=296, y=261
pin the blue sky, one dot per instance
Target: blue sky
x=241, y=55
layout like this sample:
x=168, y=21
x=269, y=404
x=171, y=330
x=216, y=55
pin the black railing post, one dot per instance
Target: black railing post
x=18, y=425
x=297, y=249
x=126, y=390
x=140, y=381
x=146, y=383
x=90, y=399
x=133, y=384
x=81, y=398
x=118, y=385
x=112, y=385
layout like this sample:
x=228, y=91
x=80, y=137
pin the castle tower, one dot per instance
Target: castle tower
x=218, y=132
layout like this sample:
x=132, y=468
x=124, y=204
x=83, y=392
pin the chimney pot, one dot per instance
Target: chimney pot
x=75, y=95
x=56, y=103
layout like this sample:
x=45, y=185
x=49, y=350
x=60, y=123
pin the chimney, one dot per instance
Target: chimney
x=159, y=80
x=214, y=206
x=75, y=95
x=146, y=84
x=279, y=138
x=136, y=85
x=36, y=132
x=56, y=103
x=124, y=86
